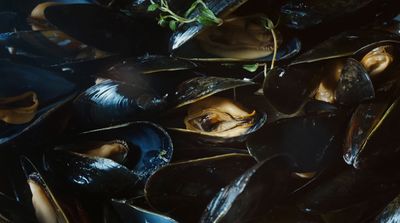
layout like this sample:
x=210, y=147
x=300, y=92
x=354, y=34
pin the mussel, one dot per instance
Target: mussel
x=27, y=106
x=313, y=141
x=110, y=102
x=184, y=189
x=50, y=205
x=112, y=162
x=108, y=30
x=250, y=196
x=327, y=73
x=210, y=118
x=370, y=139
x=238, y=39
x=220, y=9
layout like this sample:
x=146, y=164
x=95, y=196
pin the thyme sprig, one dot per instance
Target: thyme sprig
x=169, y=18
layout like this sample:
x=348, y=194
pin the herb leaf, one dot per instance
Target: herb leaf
x=153, y=7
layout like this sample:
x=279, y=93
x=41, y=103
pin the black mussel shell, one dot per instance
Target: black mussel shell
x=289, y=214
x=186, y=151
x=149, y=64
x=314, y=107
x=391, y=213
x=33, y=175
x=313, y=141
x=12, y=211
x=364, y=118
x=18, y=79
x=207, y=138
x=347, y=44
x=152, y=72
x=288, y=88
x=250, y=196
x=150, y=148
x=346, y=188
x=300, y=14
x=111, y=102
x=184, y=189
x=372, y=138
x=187, y=32
x=192, y=51
x=108, y=30
x=354, y=85
x=129, y=214
x=51, y=45
x=199, y=88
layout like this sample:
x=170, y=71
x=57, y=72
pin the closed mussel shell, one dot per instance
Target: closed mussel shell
x=118, y=165
x=111, y=102
x=312, y=141
x=151, y=72
x=288, y=88
x=108, y=30
x=378, y=145
x=250, y=196
x=346, y=188
x=184, y=189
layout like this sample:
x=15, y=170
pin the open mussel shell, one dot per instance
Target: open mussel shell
x=111, y=102
x=210, y=119
x=49, y=204
x=312, y=141
x=19, y=80
x=241, y=42
x=198, y=88
x=129, y=214
x=108, y=30
x=371, y=138
x=184, y=189
x=347, y=44
x=220, y=9
x=329, y=73
x=147, y=147
x=265, y=183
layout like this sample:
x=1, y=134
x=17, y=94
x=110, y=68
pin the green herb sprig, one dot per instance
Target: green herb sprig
x=173, y=20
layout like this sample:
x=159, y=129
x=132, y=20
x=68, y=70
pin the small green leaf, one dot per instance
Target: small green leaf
x=205, y=21
x=153, y=7
x=205, y=12
x=162, y=22
x=173, y=25
x=251, y=67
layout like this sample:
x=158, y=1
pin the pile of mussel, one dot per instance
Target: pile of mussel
x=107, y=116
